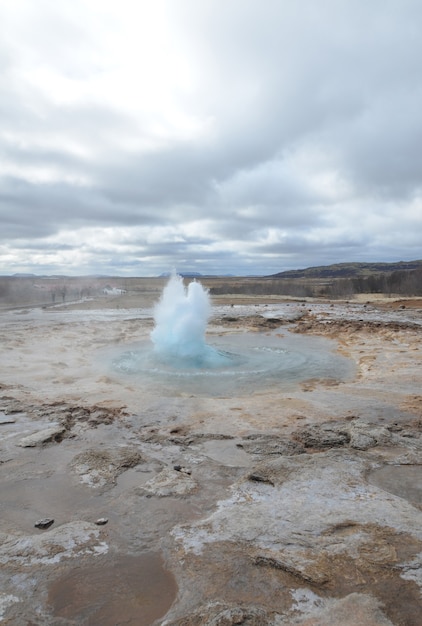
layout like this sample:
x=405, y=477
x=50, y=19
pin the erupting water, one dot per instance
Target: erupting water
x=181, y=318
x=179, y=360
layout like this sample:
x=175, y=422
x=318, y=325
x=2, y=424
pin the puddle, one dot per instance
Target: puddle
x=23, y=502
x=401, y=480
x=225, y=452
x=134, y=591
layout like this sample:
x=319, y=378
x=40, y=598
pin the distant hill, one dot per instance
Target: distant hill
x=24, y=275
x=349, y=270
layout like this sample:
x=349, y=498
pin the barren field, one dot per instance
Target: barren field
x=255, y=499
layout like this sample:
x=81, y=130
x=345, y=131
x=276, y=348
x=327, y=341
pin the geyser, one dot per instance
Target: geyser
x=179, y=360
x=181, y=318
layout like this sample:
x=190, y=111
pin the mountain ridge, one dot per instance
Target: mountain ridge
x=349, y=270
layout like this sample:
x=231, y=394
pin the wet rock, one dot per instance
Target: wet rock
x=44, y=523
x=100, y=468
x=298, y=569
x=64, y=542
x=53, y=433
x=315, y=521
x=93, y=416
x=218, y=614
x=322, y=436
x=364, y=436
x=267, y=445
x=413, y=570
x=355, y=609
x=6, y=419
x=179, y=436
x=170, y=482
x=269, y=322
x=65, y=414
x=6, y=600
x=181, y=468
x=362, y=441
x=358, y=434
x=258, y=322
x=212, y=436
x=332, y=327
x=260, y=477
x=229, y=319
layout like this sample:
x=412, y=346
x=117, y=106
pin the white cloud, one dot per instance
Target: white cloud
x=243, y=137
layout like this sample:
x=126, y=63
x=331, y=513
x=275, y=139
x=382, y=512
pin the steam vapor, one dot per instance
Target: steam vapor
x=181, y=318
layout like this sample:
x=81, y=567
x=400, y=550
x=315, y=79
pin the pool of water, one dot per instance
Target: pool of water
x=244, y=362
x=130, y=590
x=401, y=480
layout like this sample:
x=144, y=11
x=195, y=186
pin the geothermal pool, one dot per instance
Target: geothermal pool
x=180, y=358
x=241, y=363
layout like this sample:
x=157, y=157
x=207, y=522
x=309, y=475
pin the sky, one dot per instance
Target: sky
x=239, y=137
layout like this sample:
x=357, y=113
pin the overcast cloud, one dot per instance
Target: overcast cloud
x=235, y=136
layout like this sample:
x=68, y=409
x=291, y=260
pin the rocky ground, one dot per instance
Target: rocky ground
x=122, y=504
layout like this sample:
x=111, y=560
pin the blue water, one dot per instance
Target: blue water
x=238, y=363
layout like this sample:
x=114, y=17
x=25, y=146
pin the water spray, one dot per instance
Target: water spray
x=181, y=318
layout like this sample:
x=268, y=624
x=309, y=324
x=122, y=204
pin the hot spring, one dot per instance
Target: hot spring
x=178, y=358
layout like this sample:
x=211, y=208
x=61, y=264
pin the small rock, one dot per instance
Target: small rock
x=44, y=523
x=364, y=436
x=99, y=468
x=321, y=436
x=169, y=482
x=260, y=478
x=184, y=470
x=362, y=441
x=102, y=521
x=55, y=433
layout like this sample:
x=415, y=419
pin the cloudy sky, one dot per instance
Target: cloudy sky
x=216, y=136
